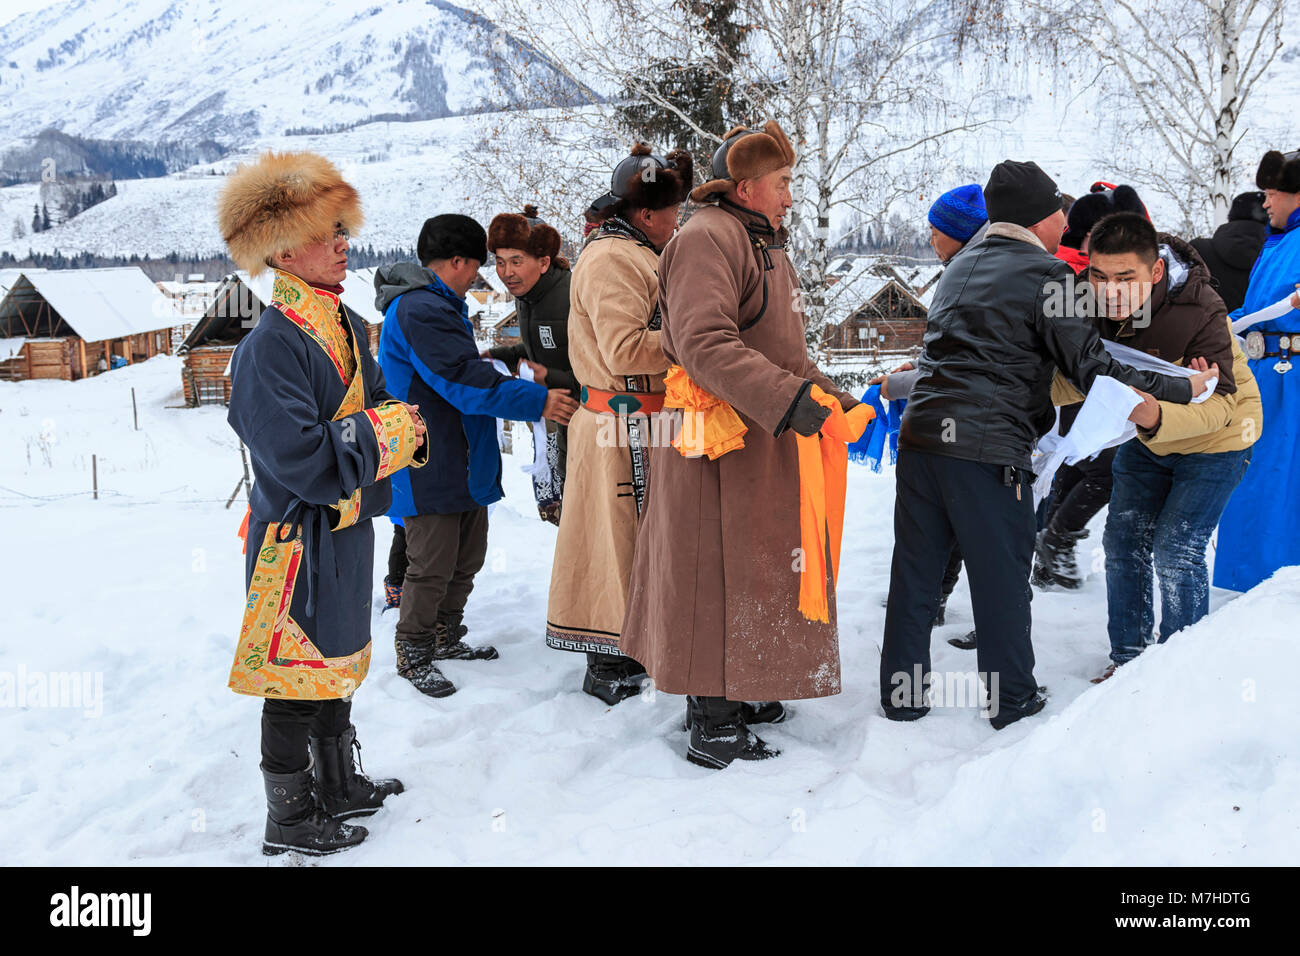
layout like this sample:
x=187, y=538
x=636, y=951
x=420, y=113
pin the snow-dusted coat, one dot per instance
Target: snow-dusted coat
x=713, y=606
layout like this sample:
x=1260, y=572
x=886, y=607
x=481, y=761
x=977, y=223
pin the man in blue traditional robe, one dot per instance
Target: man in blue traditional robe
x=1256, y=536
x=323, y=435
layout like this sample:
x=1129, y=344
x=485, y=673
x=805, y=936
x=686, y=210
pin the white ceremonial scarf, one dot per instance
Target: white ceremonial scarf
x=1103, y=418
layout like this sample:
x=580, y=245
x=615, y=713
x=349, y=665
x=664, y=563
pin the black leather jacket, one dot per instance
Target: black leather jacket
x=994, y=341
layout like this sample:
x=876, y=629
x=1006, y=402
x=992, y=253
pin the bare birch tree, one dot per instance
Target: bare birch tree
x=857, y=85
x=1181, y=76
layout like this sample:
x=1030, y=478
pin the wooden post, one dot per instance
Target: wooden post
x=135, y=412
x=94, y=474
x=245, y=482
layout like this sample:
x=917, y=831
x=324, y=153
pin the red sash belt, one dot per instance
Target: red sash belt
x=622, y=403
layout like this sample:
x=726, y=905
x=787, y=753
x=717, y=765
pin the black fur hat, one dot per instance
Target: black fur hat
x=1091, y=207
x=1279, y=171
x=1248, y=206
x=644, y=180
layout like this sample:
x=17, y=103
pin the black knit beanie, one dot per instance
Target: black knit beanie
x=1020, y=193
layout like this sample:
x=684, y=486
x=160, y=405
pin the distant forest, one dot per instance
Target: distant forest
x=62, y=155
x=212, y=267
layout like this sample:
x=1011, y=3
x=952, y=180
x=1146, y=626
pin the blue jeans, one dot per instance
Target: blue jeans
x=1166, y=507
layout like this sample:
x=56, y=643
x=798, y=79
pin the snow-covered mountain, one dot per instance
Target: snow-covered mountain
x=233, y=70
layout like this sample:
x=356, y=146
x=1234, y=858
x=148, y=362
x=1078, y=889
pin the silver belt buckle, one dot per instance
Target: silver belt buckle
x=1255, y=345
x=1284, y=360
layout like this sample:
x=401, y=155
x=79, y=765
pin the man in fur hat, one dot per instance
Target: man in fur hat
x=1255, y=539
x=732, y=597
x=323, y=436
x=528, y=262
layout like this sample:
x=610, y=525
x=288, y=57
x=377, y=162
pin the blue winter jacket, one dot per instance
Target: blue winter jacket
x=429, y=358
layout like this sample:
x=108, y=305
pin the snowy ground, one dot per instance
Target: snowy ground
x=1186, y=757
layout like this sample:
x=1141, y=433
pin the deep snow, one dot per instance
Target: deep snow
x=1186, y=757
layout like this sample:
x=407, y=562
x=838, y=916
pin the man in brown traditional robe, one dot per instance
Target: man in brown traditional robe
x=713, y=609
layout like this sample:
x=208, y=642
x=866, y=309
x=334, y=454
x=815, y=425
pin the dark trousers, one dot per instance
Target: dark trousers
x=1163, y=511
x=1080, y=491
x=443, y=552
x=940, y=501
x=286, y=725
x=397, y=557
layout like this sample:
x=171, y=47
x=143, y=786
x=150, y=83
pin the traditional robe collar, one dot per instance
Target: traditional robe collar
x=756, y=224
x=618, y=226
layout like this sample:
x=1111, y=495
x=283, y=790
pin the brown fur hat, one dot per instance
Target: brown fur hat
x=510, y=230
x=1280, y=172
x=283, y=201
x=639, y=182
x=747, y=157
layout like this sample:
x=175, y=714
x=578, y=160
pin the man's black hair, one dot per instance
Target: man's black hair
x=450, y=235
x=1123, y=232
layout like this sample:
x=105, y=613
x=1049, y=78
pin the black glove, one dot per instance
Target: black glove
x=806, y=416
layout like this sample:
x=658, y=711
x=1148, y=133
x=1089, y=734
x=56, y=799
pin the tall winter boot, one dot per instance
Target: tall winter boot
x=415, y=663
x=448, y=646
x=342, y=787
x=295, y=821
x=612, y=678
x=1054, y=564
x=719, y=735
x=752, y=712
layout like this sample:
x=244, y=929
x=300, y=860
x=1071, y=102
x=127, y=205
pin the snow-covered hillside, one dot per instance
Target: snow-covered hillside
x=1187, y=756
x=415, y=180
x=231, y=70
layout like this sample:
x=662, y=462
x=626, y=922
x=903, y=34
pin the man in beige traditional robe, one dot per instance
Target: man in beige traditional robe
x=616, y=352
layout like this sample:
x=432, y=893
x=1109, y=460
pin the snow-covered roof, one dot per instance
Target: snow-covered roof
x=11, y=346
x=97, y=304
x=489, y=275
x=861, y=279
x=9, y=276
x=359, y=294
x=235, y=306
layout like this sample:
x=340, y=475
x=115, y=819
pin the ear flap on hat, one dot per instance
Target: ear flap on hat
x=759, y=154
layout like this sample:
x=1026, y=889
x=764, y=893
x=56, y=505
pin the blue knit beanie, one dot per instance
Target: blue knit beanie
x=959, y=212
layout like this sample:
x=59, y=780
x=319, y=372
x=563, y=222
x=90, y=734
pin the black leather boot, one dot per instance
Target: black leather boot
x=1009, y=714
x=415, y=663
x=1054, y=562
x=295, y=821
x=755, y=712
x=341, y=789
x=719, y=734
x=611, y=678
x=966, y=643
x=448, y=646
